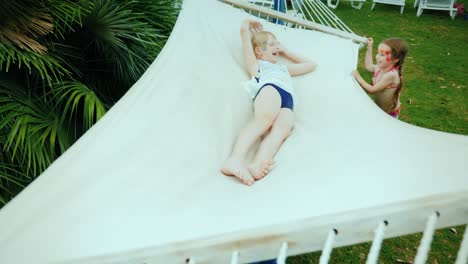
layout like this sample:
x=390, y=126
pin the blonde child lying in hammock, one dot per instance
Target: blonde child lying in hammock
x=273, y=101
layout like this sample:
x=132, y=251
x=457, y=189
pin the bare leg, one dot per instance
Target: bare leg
x=263, y=162
x=267, y=106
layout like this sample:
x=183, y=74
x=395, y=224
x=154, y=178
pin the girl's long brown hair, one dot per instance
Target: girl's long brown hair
x=399, y=50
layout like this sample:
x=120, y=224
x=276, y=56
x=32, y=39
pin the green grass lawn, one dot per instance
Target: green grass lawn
x=434, y=96
x=401, y=250
x=435, y=71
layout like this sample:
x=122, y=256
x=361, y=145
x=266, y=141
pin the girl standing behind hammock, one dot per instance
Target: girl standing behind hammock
x=387, y=82
x=273, y=99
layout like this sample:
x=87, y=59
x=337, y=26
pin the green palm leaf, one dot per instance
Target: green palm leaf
x=11, y=180
x=49, y=66
x=65, y=60
x=22, y=26
x=160, y=14
x=36, y=134
x=65, y=13
x=78, y=98
x=123, y=35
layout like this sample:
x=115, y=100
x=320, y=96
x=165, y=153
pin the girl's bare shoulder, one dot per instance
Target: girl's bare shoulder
x=393, y=74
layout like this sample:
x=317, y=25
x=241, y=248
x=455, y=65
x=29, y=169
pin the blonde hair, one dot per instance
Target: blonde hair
x=260, y=39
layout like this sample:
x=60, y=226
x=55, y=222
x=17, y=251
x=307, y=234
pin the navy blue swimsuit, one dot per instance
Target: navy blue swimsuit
x=286, y=98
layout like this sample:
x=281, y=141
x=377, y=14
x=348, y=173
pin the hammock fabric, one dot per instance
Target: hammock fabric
x=143, y=185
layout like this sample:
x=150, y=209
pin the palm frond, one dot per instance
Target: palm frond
x=12, y=177
x=160, y=14
x=66, y=14
x=36, y=133
x=49, y=66
x=23, y=23
x=123, y=36
x=12, y=180
x=77, y=98
x=9, y=174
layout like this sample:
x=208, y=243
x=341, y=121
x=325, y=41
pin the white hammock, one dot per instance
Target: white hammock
x=143, y=185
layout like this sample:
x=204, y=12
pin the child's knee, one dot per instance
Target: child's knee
x=282, y=130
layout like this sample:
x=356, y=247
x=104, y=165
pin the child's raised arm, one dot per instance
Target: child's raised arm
x=301, y=65
x=369, y=64
x=247, y=27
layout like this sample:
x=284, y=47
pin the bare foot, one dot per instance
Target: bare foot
x=233, y=167
x=259, y=170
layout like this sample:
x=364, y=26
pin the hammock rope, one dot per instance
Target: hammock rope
x=318, y=18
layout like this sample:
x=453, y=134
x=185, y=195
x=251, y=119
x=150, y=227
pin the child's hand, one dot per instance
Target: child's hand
x=356, y=75
x=370, y=42
x=251, y=25
x=281, y=48
x=255, y=26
